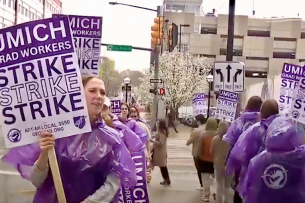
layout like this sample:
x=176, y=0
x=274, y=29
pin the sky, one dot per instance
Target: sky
x=131, y=26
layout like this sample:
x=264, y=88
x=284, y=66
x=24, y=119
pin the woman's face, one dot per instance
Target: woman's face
x=95, y=96
x=124, y=110
x=133, y=113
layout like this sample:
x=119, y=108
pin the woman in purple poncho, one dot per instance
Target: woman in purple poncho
x=132, y=124
x=93, y=165
x=131, y=140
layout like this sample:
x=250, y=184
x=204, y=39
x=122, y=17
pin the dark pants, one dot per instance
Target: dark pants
x=198, y=171
x=237, y=198
x=164, y=173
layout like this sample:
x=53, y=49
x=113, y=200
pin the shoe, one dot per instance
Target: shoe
x=165, y=182
x=199, y=188
x=205, y=198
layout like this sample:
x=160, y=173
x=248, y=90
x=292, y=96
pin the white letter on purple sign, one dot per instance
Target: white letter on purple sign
x=62, y=29
x=15, y=41
x=35, y=33
x=95, y=23
x=83, y=23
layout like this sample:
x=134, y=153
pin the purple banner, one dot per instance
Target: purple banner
x=290, y=77
x=34, y=40
x=87, y=34
x=139, y=193
x=226, y=105
x=116, y=107
x=40, y=83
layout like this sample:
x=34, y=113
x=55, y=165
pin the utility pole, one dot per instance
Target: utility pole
x=230, y=45
x=156, y=76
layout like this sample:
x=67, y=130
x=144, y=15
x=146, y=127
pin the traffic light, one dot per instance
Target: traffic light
x=162, y=91
x=156, y=31
x=172, y=37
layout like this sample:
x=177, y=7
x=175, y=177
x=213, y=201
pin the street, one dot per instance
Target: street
x=13, y=189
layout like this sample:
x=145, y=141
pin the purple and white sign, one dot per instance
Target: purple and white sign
x=87, y=34
x=40, y=82
x=297, y=109
x=116, y=106
x=199, y=106
x=139, y=193
x=290, y=78
x=226, y=105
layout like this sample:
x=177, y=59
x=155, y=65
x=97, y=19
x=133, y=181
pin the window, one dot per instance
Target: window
x=205, y=30
x=284, y=55
x=302, y=35
x=4, y=2
x=184, y=47
x=285, y=39
x=258, y=33
x=257, y=58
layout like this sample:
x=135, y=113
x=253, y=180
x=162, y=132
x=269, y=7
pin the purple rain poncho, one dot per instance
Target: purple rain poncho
x=134, y=126
x=143, y=121
x=250, y=143
x=238, y=126
x=131, y=139
x=84, y=161
x=278, y=173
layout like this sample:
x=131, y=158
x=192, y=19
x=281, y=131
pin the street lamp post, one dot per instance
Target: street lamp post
x=210, y=80
x=181, y=25
x=126, y=82
x=117, y=3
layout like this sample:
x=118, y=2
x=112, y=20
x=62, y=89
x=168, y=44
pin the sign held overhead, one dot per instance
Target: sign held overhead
x=229, y=76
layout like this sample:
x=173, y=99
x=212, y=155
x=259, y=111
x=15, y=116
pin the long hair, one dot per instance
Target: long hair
x=162, y=127
x=138, y=113
x=128, y=108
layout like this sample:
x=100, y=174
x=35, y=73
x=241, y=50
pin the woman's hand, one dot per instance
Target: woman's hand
x=46, y=142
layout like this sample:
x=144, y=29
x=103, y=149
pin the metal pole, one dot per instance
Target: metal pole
x=230, y=39
x=126, y=93
x=180, y=38
x=156, y=76
x=230, y=44
x=209, y=100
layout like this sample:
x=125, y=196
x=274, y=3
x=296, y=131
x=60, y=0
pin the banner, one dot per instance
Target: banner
x=40, y=82
x=87, y=35
x=199, y=106
x=139, y=193
x=289, y=82
x=297, y=111
x=226, y=105
x=116, y=106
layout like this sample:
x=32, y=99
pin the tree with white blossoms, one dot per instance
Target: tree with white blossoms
x=183, y=75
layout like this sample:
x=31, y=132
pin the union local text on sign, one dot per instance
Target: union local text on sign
x=229, y=76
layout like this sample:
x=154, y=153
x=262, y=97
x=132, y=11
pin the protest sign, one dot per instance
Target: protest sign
x=199, y=106
x=138, y=193
x=40, y=82
x=87, y=35
x=290, y=77
x=116, y=106
x=297, y=110
x=226, y=105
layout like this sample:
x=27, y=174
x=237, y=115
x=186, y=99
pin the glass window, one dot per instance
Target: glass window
x=184, y=47
x=4, y=2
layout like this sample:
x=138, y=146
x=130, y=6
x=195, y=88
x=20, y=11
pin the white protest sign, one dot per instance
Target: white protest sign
x=87, y=36
x=199, y=106
x=226, y=105
x=40, y=82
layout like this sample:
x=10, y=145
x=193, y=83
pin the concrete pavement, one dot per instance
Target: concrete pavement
x=184, y=180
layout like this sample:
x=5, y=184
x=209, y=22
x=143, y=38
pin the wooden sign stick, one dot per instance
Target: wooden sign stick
x=56, y=176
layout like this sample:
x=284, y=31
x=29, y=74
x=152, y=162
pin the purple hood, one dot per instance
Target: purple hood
x=277, y=174
x=245, y=120
x=249, y=144
x=131, y=139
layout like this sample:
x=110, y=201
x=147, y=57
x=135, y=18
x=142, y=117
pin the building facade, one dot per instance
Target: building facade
x=19, y=11
x=262, y=44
